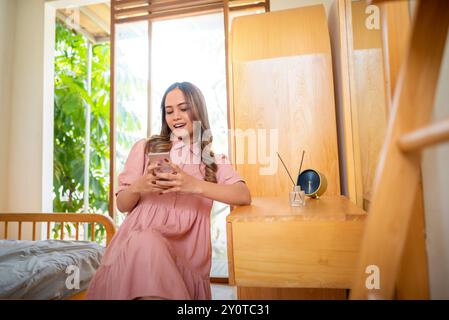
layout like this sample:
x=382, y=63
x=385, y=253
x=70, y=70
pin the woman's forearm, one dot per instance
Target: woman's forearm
x=233, y=194
x=127, y=200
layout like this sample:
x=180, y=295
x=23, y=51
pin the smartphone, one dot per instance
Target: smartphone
x=160, y=157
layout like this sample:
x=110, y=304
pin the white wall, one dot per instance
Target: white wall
x=26, y=112
x=7, y=13
x=435, y=170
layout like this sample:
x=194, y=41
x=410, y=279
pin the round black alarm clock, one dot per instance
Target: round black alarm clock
x=312, y=182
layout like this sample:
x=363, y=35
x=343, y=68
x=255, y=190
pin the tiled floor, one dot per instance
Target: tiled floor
x=223, y=292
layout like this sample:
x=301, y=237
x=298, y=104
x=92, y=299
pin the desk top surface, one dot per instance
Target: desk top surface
x=278, y=208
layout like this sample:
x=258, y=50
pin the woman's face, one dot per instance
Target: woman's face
x=178, y=114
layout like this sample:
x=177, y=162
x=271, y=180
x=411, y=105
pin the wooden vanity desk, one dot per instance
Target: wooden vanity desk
x=276, y=251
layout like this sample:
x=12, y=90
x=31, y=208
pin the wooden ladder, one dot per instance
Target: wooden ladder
x=409, y=131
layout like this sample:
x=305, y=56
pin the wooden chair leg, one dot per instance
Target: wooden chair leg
x=413, y=277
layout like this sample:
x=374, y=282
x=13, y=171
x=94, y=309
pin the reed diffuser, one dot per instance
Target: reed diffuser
x=297, y=197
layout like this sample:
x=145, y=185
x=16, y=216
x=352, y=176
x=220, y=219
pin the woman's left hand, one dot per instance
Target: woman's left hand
x=178, y=181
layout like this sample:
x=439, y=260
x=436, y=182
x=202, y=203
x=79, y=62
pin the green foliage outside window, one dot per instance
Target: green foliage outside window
x=71, y=100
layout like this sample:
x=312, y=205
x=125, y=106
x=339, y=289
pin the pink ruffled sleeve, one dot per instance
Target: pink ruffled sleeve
x=134, y=166
x=225, y=172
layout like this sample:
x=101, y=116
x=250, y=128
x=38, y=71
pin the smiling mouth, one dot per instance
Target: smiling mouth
x=177, y=126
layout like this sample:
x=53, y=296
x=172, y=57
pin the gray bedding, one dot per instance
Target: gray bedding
x=38, y=269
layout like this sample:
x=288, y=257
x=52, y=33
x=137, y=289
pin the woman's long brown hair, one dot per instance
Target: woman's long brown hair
x=162, y=142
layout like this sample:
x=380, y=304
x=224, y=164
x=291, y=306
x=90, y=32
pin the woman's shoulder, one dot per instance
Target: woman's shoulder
x=141, y=142
x=137, y=150
x=139, y=145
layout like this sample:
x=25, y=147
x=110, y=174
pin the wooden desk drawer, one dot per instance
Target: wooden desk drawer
x=294, y=253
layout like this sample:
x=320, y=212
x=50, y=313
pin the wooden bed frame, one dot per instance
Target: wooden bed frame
x=76, y=218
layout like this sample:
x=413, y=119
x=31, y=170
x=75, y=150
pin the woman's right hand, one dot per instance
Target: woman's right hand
x=147, y=182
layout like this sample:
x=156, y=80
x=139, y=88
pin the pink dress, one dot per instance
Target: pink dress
x=163, y=248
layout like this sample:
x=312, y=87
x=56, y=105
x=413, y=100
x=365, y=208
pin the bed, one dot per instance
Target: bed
x=50, y=269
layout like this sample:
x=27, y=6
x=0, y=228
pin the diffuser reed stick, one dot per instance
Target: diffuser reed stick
x=302, y=159
x=286, y=169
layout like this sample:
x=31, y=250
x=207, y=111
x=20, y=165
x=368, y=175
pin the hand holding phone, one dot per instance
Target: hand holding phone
x=161, y=158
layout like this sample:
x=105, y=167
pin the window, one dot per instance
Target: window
x=192, y=49
x=131, y=78
x=131, y=97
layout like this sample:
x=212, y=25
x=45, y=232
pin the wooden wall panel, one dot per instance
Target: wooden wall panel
x=368, y=95
x=282, y=79
x=372, y=115
x=350, y=174
x=280, y=34
x=363, y=38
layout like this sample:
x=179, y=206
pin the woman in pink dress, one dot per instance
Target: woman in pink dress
x=163, y=248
